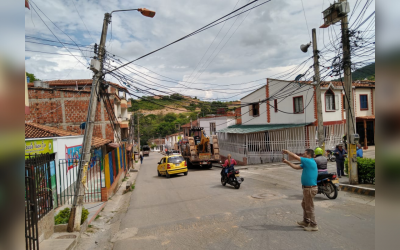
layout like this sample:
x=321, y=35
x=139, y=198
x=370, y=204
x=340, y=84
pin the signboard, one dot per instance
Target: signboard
x=39, y=146
x=72, y=156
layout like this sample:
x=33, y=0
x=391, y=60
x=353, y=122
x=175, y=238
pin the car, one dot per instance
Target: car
x=173, y=164
x=175, y=152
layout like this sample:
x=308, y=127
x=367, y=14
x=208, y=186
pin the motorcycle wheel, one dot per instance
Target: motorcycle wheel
x=223, y=182
x=332, y=158
x=237, y=185
x=333, y=194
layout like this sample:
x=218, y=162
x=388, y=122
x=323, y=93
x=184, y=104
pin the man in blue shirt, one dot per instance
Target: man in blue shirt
x=309, y=183
x=359, y=151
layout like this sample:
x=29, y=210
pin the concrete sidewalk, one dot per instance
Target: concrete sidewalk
x=63, y=240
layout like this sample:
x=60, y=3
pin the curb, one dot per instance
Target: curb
x=97, y=212
x=358, y=190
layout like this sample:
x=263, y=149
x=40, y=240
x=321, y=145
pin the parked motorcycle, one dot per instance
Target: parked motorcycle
x=232, y=178
x=328, y=185
x=331, y=154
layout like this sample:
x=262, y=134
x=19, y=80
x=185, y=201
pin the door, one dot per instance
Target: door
x=370, y=133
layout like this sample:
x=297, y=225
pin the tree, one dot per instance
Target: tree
x=32, y=77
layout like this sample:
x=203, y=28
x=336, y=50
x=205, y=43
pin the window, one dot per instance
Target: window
x=254, y=109
x=364, y=102
x=212, y=128
x=175, y=159
x=329, y=101
x=344, y=101
x=298, y=104
x=276, y=105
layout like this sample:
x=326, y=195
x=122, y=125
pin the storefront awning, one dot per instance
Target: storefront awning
x=246, y=129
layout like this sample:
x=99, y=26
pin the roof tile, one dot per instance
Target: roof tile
x=34, y=130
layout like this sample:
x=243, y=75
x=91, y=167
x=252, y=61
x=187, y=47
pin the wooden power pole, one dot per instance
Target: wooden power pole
x=321, y=134
x=337, y=12
x=350, y=115
x=97, y=66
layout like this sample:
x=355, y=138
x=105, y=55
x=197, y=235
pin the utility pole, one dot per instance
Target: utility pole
x=76, y=210
x=321, y=135
x=138, y=133
x=131, y=136
x=350, y=116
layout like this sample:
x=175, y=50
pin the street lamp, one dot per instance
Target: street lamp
x=97, y=66
x=144, y=11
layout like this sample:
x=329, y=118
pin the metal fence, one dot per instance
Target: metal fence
x=66, y=181
x=38, y=194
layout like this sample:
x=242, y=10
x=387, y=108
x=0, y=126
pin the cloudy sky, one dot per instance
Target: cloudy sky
x=258, y=44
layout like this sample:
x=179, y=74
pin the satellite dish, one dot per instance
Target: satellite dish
x=304, y=47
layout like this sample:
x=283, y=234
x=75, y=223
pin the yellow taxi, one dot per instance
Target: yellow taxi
x=174, y=164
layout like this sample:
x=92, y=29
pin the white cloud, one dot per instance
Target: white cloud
x=266, y=43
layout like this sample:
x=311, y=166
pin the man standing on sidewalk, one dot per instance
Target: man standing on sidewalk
x=309, y=183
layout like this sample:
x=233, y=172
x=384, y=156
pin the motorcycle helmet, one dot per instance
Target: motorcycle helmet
x=318, y=151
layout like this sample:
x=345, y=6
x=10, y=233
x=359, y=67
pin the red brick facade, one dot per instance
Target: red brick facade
x=67, y=109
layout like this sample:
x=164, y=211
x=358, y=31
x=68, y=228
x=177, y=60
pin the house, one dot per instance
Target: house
x=186, y=128
x=216, y=122
x=159, y=144
x=171, y=141
x=64, y=104
x=283, y=115
x=108, y=163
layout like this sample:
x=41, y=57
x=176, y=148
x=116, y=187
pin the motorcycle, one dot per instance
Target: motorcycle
x=331, y=154
x=232, y=178
x=328, y=185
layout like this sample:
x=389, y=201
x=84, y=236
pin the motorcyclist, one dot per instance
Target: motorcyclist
x=322, y=162
x=228, y=165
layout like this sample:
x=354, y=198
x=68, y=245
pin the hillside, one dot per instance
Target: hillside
x=176, y=104
x=366, y=72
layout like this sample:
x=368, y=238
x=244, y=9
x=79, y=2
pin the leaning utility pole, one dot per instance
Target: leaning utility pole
x=97, y=66
x=350, y=116
x=321, y=135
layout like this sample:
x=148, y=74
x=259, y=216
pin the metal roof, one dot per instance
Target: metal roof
x=246, y=129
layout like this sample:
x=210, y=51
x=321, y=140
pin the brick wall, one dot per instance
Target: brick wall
x=66, y=109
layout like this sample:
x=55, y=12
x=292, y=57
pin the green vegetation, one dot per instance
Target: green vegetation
x=32, y=77
x=63, y=216
x=158, y=126
x=97, y=216
x=366, y=169
x=366, y=72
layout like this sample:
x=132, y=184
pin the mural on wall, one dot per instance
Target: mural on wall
x=72, y=156
x=96, y=158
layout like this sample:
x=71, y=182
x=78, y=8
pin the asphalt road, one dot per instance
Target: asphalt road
x=197, y=212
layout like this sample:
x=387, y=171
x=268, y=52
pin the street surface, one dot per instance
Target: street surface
x=197, y=212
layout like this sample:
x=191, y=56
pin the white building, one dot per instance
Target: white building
x=283, y=115
x=211, y=124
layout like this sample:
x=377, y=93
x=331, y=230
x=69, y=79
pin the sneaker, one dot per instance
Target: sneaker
x=303, y=223
x=340, y=176
x=311, y=228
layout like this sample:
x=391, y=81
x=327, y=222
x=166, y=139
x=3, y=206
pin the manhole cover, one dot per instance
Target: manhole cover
x=262, y=196
x=67, y=236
